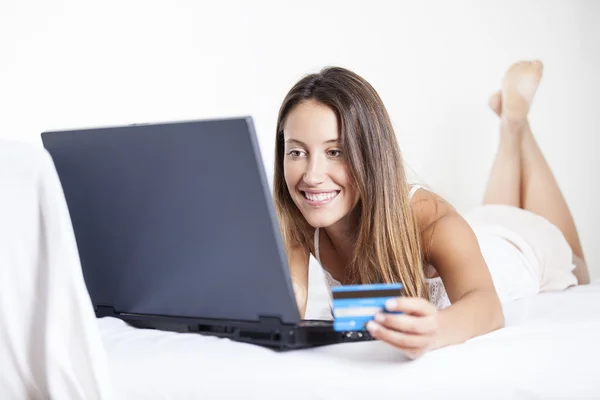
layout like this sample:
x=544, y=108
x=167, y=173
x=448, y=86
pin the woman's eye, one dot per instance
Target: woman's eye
x=335, y=153
x=295, y=153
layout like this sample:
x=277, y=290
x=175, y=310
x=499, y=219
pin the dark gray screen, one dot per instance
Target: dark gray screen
x=175, y=219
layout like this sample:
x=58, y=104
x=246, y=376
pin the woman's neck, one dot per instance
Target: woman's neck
x=341, y=242
x=341, y=235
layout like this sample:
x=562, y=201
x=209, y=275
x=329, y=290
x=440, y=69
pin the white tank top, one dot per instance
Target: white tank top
x=435, y=286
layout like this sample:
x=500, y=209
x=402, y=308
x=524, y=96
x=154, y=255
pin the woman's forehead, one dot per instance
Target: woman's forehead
x=311, y=121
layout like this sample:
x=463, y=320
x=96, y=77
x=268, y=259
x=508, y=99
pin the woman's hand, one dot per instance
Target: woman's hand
x=414, y=332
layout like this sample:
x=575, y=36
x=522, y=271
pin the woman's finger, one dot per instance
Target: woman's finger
x=408, y=323
x=412, y=353
x=410, y=305
x=398, y=339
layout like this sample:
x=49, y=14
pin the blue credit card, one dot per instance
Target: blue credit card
x=355, y=305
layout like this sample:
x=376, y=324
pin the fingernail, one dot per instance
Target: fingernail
x=372, y=326
x=391, y=304
x=379, y=317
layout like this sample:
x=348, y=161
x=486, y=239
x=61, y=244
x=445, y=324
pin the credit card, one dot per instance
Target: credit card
x=355, y=305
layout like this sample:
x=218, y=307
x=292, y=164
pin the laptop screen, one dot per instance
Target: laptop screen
x=175, y=219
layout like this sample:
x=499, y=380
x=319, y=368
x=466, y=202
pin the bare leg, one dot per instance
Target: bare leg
x=512, y=106
x=542, y=196
x=504, y=182
x=537, y=189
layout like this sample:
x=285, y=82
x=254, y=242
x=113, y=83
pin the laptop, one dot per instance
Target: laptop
x=176, y=230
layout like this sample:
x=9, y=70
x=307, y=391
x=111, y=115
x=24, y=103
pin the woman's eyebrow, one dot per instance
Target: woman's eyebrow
x=296, y=141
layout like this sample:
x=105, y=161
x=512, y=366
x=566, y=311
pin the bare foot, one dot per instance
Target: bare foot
x=495, y=103
x=518, y=88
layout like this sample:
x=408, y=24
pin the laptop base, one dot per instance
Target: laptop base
x=268, y=332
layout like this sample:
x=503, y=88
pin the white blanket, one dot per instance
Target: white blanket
x=50, y=346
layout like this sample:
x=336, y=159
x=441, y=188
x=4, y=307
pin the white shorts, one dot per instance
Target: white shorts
x=525, y=252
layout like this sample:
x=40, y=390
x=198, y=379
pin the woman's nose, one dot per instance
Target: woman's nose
x=315, y=173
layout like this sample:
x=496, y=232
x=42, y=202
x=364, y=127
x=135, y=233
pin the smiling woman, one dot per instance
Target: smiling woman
x=341, y=194
x=330, y=126
x=315, y=173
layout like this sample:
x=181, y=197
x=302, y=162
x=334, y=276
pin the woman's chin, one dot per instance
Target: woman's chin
x=319, y=225
x=319, y=222
x=322, y=221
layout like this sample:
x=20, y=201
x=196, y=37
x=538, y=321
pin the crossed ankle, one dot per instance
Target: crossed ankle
x=512, y=126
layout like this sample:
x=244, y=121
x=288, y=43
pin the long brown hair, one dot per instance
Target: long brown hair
x=387, y=239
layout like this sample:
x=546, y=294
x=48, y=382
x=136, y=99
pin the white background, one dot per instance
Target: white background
x=67, y=64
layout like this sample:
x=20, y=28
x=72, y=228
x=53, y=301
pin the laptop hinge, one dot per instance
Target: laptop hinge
x=105, y=311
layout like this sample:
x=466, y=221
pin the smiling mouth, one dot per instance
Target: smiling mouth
x=320, y=198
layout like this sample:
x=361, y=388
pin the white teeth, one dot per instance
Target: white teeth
x=320, y=196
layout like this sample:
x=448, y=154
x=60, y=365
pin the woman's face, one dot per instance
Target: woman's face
x=315, y=169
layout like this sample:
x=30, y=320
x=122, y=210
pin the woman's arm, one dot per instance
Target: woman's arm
x=453, y=250
x=298, y=260
x=475, y=308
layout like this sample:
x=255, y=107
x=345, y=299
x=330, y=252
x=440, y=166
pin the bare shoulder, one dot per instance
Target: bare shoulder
x=429, y=208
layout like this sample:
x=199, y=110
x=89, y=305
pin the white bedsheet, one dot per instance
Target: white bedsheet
x=549, y=349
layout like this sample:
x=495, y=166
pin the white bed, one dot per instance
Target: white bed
x=51, y=347
x=549, y=349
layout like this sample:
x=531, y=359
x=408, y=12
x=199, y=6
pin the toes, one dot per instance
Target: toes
x=540, y=67
x=536, y=65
